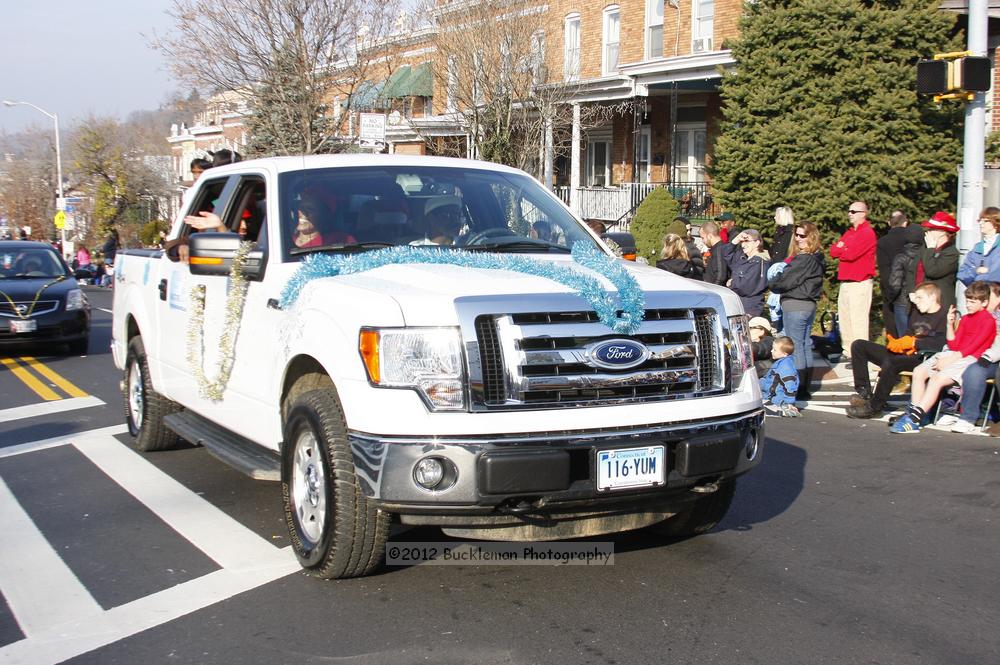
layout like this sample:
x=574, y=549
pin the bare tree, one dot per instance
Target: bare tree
x=28, y=182
x=279, y=53
x=491, y=70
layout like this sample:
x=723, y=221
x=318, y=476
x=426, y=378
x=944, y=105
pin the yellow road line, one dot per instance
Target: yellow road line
x=28, y=379
x=51, y=375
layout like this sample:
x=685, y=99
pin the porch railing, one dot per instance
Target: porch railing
x=615, y=205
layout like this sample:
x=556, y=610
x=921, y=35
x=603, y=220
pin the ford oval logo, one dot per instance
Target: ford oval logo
x=617, y=354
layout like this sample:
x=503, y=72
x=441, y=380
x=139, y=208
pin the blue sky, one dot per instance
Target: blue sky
x=73, y=58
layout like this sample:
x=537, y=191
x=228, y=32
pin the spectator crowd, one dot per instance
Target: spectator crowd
x=946, y=356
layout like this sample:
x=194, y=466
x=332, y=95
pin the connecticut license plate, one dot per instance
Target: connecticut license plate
x=23, y=326
x=630, y=468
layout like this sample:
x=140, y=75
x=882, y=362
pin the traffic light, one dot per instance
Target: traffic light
x=932, y=77
x=953, y=76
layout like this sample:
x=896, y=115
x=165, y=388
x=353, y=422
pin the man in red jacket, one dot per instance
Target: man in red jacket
x=856, y=251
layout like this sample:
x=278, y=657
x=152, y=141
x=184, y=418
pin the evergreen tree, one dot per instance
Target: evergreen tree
x=822, y=110
x=650, y=223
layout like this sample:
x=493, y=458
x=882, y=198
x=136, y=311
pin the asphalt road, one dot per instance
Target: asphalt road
x=847, y=545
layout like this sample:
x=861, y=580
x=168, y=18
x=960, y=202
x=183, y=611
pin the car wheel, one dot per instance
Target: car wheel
x=144, y=407
x=79, y=347
x=335, y=530
x=700, y=515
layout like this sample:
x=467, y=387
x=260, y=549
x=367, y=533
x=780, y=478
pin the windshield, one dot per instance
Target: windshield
x=30, y=263
x=354, y=209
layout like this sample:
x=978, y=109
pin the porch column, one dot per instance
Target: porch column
x=549, y=155
x=574, y=168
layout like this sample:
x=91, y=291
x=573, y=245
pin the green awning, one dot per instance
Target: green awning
x=365, y=95
x=422, y=81
x=398, y=83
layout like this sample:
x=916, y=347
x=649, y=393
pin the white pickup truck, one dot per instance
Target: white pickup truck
x=428, y=341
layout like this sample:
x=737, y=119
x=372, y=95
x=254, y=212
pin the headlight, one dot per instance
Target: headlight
x=428, y=360
x=740, y=351
x=75, y=300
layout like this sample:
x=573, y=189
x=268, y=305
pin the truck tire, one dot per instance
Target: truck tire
x=700, y=516
x=335, y=531
x=144, y=407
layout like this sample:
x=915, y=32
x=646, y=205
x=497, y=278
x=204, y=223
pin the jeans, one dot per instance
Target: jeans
x=974, y=389
x=901, y=315
x=891, y=364
x=798, y=326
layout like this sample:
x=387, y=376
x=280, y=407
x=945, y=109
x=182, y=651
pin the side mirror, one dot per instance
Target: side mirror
x=212, y=254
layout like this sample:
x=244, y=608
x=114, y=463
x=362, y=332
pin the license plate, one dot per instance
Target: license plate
x=23, y=326
x=630, y=468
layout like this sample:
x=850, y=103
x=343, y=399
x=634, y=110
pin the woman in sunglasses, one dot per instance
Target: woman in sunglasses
x=800, y=286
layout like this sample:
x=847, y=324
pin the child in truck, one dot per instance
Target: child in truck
x=967, y=340
x=781, y=382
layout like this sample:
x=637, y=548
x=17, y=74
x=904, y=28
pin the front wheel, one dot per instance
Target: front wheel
x=700, y=516
x=335, y=531
x=144, y=407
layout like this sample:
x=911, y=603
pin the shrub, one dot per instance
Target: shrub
x=650, y=223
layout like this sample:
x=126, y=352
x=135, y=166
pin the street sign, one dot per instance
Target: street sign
x=60, y=220
x=372, y=131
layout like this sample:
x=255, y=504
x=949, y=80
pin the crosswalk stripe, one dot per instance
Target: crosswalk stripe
x=37, y=600
x=227, y=542
x=48, y=408
x=54, y=377
x=62, y=440
x=28, y=379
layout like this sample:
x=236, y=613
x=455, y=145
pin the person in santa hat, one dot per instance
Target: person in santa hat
x=939, y=257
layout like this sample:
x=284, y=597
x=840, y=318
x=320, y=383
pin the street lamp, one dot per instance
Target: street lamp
x=59, y=178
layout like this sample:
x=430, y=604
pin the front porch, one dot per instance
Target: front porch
x=615, y=205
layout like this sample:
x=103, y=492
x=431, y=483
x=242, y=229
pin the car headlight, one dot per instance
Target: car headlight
x=75, y=300
x=428, y=360
x=740, y=350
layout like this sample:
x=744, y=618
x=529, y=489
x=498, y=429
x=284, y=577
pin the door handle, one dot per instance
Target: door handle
x=163, y=289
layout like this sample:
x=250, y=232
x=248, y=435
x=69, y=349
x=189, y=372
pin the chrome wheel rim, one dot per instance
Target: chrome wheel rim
x=135, y=394
x=309, y=488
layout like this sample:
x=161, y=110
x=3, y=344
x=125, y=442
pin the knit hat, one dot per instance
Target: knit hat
x=677, y=227
x=941, y=221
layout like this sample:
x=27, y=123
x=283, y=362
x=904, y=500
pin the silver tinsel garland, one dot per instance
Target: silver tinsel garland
x=214, y=389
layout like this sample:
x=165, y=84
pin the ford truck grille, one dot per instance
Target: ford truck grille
x=539, y=359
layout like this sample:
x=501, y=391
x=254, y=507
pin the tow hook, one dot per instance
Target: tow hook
x=707, y=488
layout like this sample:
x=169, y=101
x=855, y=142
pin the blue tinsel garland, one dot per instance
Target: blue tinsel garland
x=630, y=300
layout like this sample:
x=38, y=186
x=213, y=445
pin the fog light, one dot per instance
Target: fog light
x=428, y=472
x=752, y=444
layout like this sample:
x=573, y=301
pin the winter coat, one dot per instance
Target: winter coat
x=978, y=258
x=678, y=267
x=903, y=273
x=886, y=249
x=802, y=279
x=782, y=241
x=940, y=266
x=749, y=280
x=716, y=266
x=697, y=260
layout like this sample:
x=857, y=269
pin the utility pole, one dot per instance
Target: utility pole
x=975, y=137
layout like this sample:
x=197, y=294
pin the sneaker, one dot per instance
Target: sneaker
x=790, y=411
x=772, y=410
x=963, y=427
x=905, y=425
x=947, y=420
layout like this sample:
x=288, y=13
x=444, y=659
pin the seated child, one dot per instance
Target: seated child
x=781, y=382
x=967, y=340
x=761, y=342
x=925, y=332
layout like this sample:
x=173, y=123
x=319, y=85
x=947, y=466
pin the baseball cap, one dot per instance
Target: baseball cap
x=941, y=221
x=726, y=217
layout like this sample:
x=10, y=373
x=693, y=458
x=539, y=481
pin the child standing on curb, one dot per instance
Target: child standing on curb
x=781, y=382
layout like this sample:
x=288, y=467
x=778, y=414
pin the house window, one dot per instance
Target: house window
x=612, y=30
x=451, y=104
x=654, y=28
x=538, y=73
x=571, y=51
x=598, y=163
x=689, y=155
x=702, y=26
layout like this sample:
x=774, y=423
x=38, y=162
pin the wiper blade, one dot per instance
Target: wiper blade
x=341, y=247
x=515, y=245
